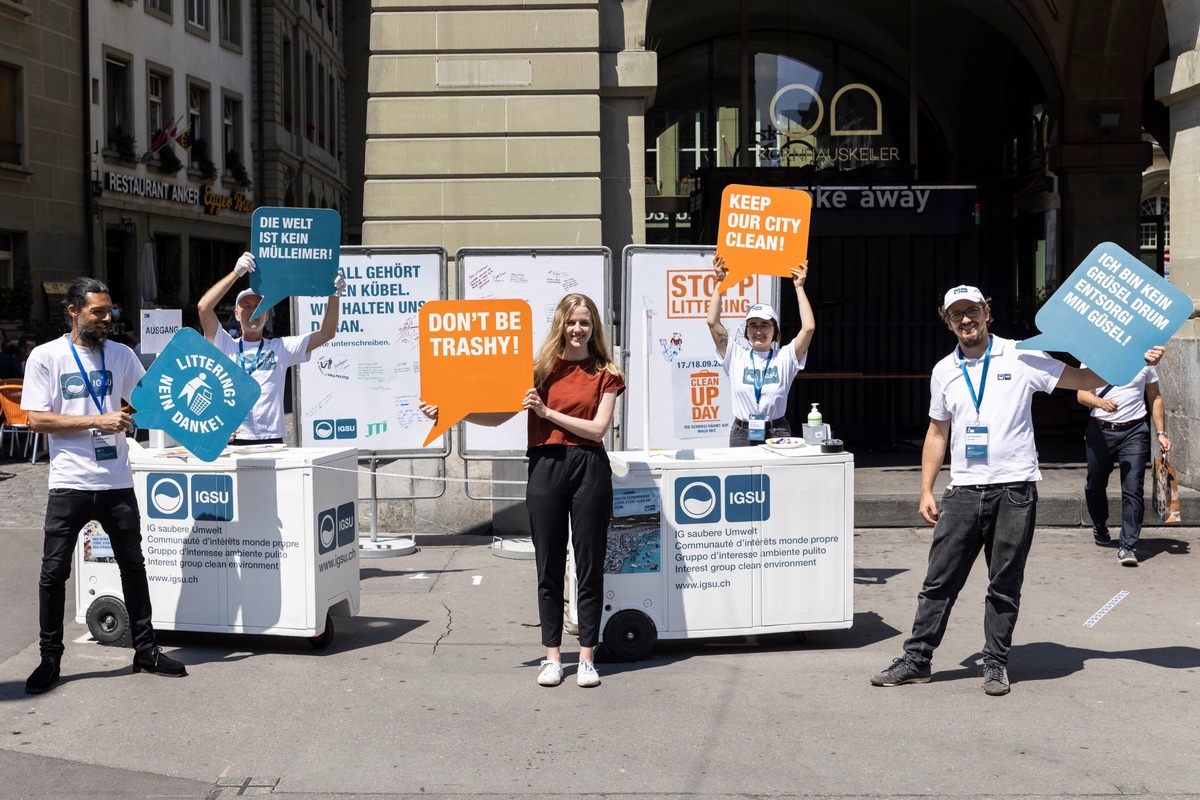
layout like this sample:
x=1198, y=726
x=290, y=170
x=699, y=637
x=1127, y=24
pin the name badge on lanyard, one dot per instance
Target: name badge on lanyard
x=976, y=440
x=104, y=444
x=757, y=428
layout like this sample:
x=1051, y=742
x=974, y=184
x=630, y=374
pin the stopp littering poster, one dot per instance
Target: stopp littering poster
x=1110, y=311
x=763, y=231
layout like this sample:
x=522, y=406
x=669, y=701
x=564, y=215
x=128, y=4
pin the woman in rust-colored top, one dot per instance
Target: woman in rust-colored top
x=569, y=492
x=570, y=481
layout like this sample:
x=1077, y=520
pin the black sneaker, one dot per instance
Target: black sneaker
x=995, y=679
x=902, y=671
x=44, y=677
x=156, y=661
x=1100, y=537
x=1127, y=557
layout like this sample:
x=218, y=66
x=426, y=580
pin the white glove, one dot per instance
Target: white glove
x=339, y=285
x=244, y=265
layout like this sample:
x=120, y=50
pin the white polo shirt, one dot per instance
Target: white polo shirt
x=1013, y=378
x=1130, y=398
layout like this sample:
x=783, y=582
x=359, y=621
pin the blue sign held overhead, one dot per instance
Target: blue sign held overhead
x=194, y=393
x=1110, y=311
x=296, y=253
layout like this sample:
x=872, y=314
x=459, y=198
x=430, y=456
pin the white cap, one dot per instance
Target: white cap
x=962, y=293
x=246, y=293
x=762, y=311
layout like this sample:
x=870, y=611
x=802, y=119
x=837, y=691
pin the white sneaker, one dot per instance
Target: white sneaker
x=586, y=675
x=551, y=674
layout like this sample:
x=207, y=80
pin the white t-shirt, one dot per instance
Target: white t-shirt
x=54, y=383
x=269, y=368
x=743, y=365
x=1013, y=378
x=1130, y=398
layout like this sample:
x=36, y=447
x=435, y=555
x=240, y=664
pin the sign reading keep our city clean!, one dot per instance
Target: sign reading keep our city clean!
x=295, y=253
x=763, y=231
x=1110, y=311
x=194, y=394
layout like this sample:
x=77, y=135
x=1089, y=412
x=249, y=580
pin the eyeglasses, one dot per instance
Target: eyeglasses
x=974, y=313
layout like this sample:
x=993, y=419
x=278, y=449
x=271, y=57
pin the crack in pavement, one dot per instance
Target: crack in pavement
x=449, y=626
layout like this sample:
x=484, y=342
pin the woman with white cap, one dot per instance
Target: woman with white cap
x=761, y=371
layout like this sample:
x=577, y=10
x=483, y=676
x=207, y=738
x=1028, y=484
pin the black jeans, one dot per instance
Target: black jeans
x=569, y=490
x=1129, y=449
x=998, y=519
x=67, y=511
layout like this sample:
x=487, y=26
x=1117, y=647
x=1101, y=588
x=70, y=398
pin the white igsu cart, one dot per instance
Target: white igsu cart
x=262, y=540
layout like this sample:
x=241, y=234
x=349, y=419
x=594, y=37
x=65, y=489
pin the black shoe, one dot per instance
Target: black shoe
x=1100, y=537
x=902, y=671
x=156, y=661
x=995, y=679
x=44, y=677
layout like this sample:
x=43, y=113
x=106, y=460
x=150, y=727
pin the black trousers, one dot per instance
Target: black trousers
x=569, y=494
x=67, y=511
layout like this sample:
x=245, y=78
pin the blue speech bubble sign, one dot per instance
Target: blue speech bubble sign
x=196, y=394
x=1110, y=311
x=296, y=253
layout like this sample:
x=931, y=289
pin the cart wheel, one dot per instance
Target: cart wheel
x=323, y=641
x=630, y=635
x=108, y=620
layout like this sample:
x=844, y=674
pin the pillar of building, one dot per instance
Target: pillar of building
x=1177, y=84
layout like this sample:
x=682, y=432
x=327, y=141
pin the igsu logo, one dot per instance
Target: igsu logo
x=346, y=519
x=335, y=429
x=697, y=500
x=326, y=530
x=323, y=429
x=166, y=493
x=747, y=498
x=212, y=497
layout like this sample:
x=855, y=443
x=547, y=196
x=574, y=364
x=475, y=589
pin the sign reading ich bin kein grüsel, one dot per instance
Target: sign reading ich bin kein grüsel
x=295, y=253
x=1110, y=311
x=194, y=394
x=763, y=231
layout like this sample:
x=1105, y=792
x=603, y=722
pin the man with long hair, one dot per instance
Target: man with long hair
x=73, y=390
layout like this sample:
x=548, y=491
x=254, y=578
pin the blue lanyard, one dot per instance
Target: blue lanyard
x=99, y=401
x=987, y=356
x=759, y=376
x=257, y=355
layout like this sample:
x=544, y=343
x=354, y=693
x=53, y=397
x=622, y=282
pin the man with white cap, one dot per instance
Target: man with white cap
x=980, y=402
x=760, y=371
x=265, y=360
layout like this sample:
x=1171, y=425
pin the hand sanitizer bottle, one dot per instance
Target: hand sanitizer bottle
x=814, y=415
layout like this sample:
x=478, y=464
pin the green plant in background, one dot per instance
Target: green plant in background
x=202, y=161
x=168, y=162
x=237, y=170
x=125, y=144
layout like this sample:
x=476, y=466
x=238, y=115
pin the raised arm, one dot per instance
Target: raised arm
x=329, y=321
x=209, y=324
x=720, y=335
x=808, y=323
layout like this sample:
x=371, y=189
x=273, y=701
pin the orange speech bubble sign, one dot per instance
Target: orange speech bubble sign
x=476, y=357
x=763, y=231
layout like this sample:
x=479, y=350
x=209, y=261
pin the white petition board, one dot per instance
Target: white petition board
x=689, y=403
x=362, y=389
x=539, y=276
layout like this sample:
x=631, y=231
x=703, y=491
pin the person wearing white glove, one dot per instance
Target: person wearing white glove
x=265, y=360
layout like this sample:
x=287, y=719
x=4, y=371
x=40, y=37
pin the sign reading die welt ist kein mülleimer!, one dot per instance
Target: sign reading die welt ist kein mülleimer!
x=295, y=253
x=194, y=394
x=1110, y=311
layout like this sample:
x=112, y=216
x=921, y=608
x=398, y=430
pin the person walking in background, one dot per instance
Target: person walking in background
x=980, y=407
x=760, y=370
x=266, y=360
x=1117, y=435
x=73, y=390
x=569, y=492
